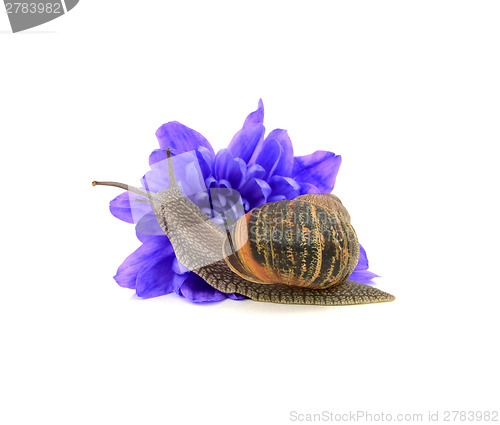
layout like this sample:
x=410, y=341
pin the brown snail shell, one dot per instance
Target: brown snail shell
x=307, y=242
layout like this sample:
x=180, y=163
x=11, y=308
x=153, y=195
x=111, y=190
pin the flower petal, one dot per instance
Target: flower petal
x=193, y=179
x=187, y=172
x=126, y=209
x=361, y=273
x=180, y=138
x=145, y=238
x=148, y=225
x=236, y=296
x=157, y=155
x=224, y=184
x=269, y=157
x=120, y=208
x=195, y=289
x=222, y=160
x=284, y=166
x=363, y=276
x=156, y=279
x=202, y=200
x=320, y=169
x=363, y=259
x=256, y=192
x=178, y=268
x=255, y=171
x=205, y=160
x=284, y=186
x=308, y=189
x=152, y=250
x=276, y=198
x=203, y=155
x=236, y=172
x=227, y=206
x=177, y=281
x=256, y=117
x=246, y=140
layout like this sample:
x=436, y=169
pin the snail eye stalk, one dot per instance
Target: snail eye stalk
x=141, y=192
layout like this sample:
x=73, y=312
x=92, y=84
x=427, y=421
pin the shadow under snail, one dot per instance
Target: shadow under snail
x=298, y=251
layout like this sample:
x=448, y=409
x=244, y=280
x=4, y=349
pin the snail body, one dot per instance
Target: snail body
x=294, y=252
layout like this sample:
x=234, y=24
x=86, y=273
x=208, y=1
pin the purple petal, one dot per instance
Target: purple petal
x=284, y=186
x=187, y=172
x=178, y=268
x=246, y=140
x=152, y=250
x=363, y=259
x=361, y=273
x=148, y=225
x=145, y=238
x=256, y=117
x=201, y=199
x=224, y=184
x=180, y=138
x=156, y=279
x=203, y=155
x=246, y=204
x=178, y=280
x=155, y=180
x=126, y=209
x=256, y=192
x=276, y=198
x=306, y=188
x=218, y=198
x=285, y=164
x=205, y=160
x=236, y=296
x=222, y=160
x=120, y=208
x=193, y=179
x=269, y=157
x=255, y=171
x=236, y=172
x=195, y=289
x=210, y=182
x=157, y=155
x=320, y=169
x=363, y=276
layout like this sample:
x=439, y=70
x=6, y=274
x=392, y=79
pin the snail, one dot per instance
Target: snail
x=298, y=251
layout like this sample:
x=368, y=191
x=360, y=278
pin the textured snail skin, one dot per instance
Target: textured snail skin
x=347, y=292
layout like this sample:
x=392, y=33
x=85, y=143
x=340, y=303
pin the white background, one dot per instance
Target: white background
x=407, y=92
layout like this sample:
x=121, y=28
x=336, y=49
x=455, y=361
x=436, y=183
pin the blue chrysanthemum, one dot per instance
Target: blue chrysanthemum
x=261, y=169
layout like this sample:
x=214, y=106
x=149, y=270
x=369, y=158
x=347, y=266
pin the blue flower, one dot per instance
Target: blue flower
x=261, y=169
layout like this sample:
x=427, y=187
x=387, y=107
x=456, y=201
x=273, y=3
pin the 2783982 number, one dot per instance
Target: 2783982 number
x=54, y=8
x=470, y=416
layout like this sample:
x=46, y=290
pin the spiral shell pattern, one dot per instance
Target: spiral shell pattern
x=307, y=242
